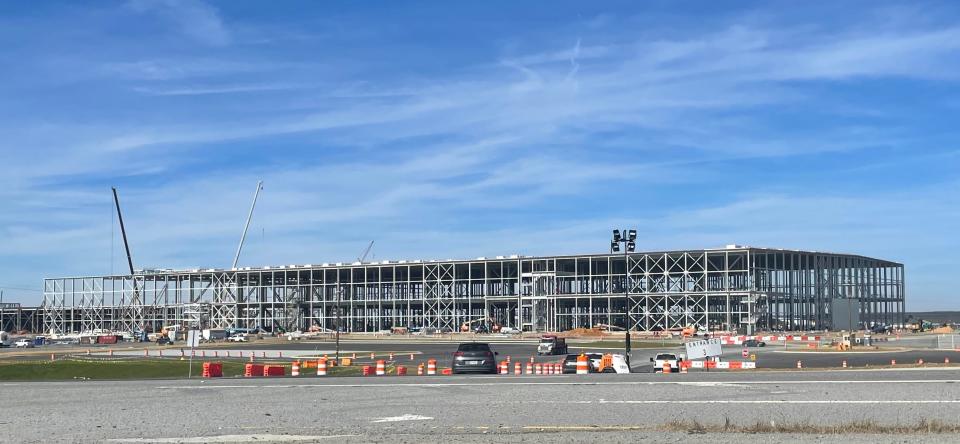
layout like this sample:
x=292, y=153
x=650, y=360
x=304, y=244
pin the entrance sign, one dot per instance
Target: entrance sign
x=703, y=349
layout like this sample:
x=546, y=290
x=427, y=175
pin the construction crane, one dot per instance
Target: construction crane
x=133, y=315
x=246, y=226
x=365, y=252
x=123, y=230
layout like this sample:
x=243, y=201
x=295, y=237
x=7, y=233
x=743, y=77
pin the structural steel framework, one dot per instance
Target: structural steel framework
x=734, y=289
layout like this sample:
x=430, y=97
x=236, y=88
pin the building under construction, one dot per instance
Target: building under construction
x=733, y=289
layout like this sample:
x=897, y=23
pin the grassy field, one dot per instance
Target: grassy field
x=131, y=369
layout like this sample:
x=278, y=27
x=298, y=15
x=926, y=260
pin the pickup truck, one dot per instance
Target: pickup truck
x=239, y=337
x=669, y=358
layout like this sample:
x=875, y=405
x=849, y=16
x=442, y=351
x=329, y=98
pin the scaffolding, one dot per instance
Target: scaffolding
x=732, y=289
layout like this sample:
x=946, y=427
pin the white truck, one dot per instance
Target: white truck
x=669, y=358
x=239, y=337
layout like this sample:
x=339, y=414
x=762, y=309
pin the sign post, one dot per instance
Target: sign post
x=704, y=349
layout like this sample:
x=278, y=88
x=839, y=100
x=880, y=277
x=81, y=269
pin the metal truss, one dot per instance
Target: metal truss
x=737, y=288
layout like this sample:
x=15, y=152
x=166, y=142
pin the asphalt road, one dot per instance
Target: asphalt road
x=471, y=408
x=773, y=356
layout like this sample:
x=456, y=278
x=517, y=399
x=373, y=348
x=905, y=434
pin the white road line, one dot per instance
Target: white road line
x=777, y=401
x=235, y=438
x=596, y=383
x=407, y=417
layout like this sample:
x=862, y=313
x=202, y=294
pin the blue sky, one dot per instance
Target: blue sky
x=446, y=130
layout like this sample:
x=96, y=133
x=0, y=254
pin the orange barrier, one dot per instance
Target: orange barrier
x=295, y=370
x=516, y=369
x=920, y=361
x=212, y=370
x=529, y=368
x=381, y=368
x=373, y=356
x=799, y=364
x=411, y=356
x=420, y=369
x=274, y=370
x=539, y=368
x=391, y=356
x=321, y=367
x=582, y=366
x=893, y=362
x=666, y=367
x=251, y=370
x=504, y=369
x=432, y=367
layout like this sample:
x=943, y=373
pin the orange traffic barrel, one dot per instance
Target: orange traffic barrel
x=582, y=366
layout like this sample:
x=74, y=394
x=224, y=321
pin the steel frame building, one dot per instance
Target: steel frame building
x=734, y=289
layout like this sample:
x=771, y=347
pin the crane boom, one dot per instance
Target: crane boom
x=123, y=231
x=365, y=252
x=247, y=225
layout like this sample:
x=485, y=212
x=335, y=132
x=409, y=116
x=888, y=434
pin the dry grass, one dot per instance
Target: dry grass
x=859, y=427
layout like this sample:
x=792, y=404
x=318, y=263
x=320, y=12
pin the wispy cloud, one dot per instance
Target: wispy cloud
x=193, y=18
x=724, y=133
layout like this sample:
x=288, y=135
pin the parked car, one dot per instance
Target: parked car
x=474, y=357
x=510, y=330
x=754, y=343
x=239, y=337
x=23, y=343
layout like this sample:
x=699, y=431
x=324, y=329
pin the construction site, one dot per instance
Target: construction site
x=728, y=289
x=733, y=289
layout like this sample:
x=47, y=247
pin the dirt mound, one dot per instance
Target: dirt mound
x=583, y=333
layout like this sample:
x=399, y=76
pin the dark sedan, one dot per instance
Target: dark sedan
x=474, y=357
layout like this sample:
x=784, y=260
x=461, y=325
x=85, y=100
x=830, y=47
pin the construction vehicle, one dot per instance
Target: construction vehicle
x=552, y=345
x=923, y=326
x=486, y=325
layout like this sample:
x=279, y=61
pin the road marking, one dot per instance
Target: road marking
x=407, y=417
x=778, y=401
x=235, y=438
x=568, y=383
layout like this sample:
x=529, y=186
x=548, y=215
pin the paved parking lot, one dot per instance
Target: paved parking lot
x=474, y=408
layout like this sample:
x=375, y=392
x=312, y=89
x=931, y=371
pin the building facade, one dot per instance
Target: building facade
x=734, y=289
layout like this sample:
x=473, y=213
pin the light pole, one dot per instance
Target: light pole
x=628, y=239
x=337, y=333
